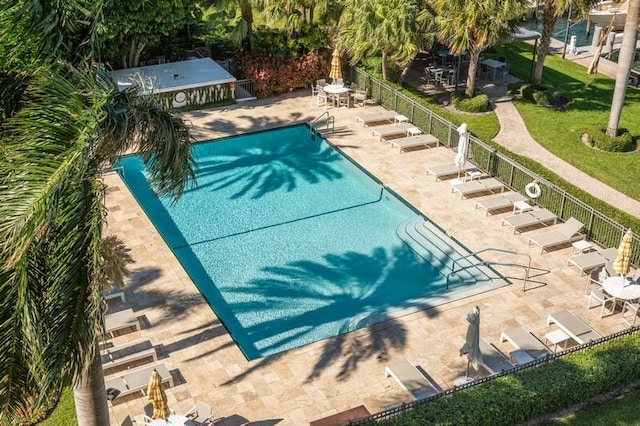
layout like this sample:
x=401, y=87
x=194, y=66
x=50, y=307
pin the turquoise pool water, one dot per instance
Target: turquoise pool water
x=291, y=243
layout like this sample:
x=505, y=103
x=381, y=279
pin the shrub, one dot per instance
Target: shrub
x=599, y=138
x=545, y=96
x=541, y=98
x=526, y=91
x=478, y=103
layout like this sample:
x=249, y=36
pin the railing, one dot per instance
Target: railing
x=406, y=406
x=329, y=120
x=244, y=88
x=598, y=227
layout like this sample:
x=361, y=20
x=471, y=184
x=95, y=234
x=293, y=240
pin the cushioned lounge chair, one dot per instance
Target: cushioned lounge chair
x=398, y=129
x=501, y=202
x=525, y=220
x=565, y=233
x=450, y=169
x=521, y=338
x=477, y=186
x=492, y=359
x=201, y=414
x=136, y=381
x=415, y=141
x=411, y=380
x=573, y=326
x=592, y=260
x=120, y=320
x=377, y=117
x=127, y=353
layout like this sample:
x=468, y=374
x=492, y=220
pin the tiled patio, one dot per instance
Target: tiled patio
x=326, y=377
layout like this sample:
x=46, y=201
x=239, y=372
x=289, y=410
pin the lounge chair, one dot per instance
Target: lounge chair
x=573, y=326
x=501, y=202
x=492, y=359
x=531, y=218
x=450, y=169
x=377, y=117
x=136, y=381
x=521, y=338
x=201, y=414
x=120, y=321
x=592, y=260
x=477, y=186
x=565, y=233
x=415, y=141
x=411, y=380
x=397, y=129
x=127, y=353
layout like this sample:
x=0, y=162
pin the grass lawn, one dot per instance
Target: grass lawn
x=64, y=413
x=622, y=411
x=559, y=132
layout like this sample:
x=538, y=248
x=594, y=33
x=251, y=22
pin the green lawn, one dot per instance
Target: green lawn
x=559, y=132
x=622, y=411
x=65, y=412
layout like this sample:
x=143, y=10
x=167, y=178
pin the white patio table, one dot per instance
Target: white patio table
x=623, y=288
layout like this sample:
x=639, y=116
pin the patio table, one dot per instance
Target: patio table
x=623, y=288
x=494, y=65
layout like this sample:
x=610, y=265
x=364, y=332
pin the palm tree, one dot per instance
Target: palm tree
x=54, y=261
x=625, y=61
x=551, y=11
x=242, y=23
x=473, y=26
x=395, y=29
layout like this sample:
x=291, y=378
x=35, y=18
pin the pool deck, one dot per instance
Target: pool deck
x=341, y=373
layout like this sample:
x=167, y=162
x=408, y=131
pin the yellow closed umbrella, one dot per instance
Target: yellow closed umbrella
x=621, y=264
x=336, y=69
x=157, y=397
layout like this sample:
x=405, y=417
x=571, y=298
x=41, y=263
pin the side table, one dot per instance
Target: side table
x=521, y=207
x=400, y=119
x=581, y=246
x=413, y=131
x=557, y=337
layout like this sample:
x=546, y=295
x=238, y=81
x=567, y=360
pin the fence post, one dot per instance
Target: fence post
x=590, y=226
x=564, y=200
x=449, y=136
x=413, y=109
x=430, y=122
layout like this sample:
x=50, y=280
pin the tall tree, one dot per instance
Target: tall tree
x=394, y=29
x=551, y=11
x=473, y=26
x=625, y=62
x=241, y=23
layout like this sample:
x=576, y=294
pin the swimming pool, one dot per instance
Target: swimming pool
x=290, y=242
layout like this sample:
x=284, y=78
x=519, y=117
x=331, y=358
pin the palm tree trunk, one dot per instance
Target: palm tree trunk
x=625, y=60
x=474, y=58
x=90, y=395
x=548, y=21
x=405, y=70
x=247, y=15
x=384, y=64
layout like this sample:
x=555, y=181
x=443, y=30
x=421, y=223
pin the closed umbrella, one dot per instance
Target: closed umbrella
x=157, y=397
x=463, y=147
x=336, y=69
x=471, y=346
x=621, y=264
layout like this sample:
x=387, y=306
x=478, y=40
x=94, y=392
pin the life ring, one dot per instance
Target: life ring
x=180, y=97
x=533, y=190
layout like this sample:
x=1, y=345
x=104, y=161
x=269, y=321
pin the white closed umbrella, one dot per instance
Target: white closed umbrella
x=463, y=147
x=471, y=346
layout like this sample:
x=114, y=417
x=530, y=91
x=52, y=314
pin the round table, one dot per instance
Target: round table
x=173, y=420
x=335, y=89
x=621, y=287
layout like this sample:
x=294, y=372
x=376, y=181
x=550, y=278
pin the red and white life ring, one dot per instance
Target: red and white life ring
x=533, y=190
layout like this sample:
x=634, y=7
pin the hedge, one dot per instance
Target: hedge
x=534, y=392
x=477, y=103
x=599, y=138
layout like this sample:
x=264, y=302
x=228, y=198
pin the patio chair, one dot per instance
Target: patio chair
x=523, y=339
x=411, y=380
x=594, y=280
x=632, y=307
x=121, y=320
x=377, y=117
x=528, y=219
x=383, y=132
x=201, y=414
x=338, y=81
x=565, y=233
x=601, y=299
x=573, y=326
x=147, y=417
x=322, y=97
x=492, y=359
x=594, y=259
x=449, y=169
x=466, y=189
x=415, y=141
x=321, y=83
x=501, y=202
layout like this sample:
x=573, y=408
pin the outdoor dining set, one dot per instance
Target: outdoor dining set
x=337, y=94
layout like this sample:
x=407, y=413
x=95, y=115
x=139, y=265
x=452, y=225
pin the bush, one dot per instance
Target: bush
x=541, y=98
x=544, y=95
x=478, y=103
x=526, y=91
x=599, y=138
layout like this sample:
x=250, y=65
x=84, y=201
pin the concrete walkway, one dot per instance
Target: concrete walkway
x=515, y=137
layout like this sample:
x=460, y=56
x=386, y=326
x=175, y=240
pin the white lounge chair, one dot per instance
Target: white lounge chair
x=492, y=359
x=201, y=414
x=377, y=117
x=592, y=260
x=565, y=233
x=521, y=338
x=120, y=320
x=398, y=129
x=127, y=353
x=531, y=218
x=411, y=380
x=500, y=202
x=477, y=186
x=136, y=381
x=573, y=326
x=449, y=169
x=415, y=141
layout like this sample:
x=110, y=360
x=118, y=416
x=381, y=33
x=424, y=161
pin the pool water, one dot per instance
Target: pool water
x=576, y=27
x=291, y=243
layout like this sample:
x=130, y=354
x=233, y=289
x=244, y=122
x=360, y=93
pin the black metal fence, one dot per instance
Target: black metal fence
x=547, y=359
x=598, y=227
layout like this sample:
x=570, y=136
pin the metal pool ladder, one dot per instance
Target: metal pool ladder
x=526, y=267
x=330, y=120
